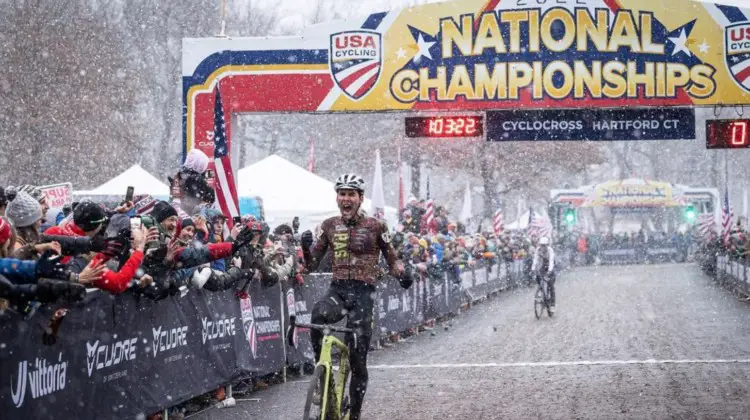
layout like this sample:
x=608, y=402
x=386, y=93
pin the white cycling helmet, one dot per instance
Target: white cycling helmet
x=544, y=240
x=350, y=182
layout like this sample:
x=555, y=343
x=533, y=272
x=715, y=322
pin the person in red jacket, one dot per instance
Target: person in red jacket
x=88, y=220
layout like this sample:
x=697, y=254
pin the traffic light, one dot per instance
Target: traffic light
x=690, y=213
x=570, y=216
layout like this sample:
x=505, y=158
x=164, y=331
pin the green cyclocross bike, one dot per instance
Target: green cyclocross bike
x=327, y=397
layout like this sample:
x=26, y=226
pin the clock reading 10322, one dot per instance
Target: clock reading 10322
x=445, y=126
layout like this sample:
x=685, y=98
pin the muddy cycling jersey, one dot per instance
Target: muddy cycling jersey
x=355, y=248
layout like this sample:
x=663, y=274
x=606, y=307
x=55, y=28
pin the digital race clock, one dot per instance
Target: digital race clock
x=445, y=126
x=727, y=134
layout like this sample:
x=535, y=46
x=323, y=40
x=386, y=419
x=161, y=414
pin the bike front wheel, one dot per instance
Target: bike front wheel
x=315, y=406
x=539, y=303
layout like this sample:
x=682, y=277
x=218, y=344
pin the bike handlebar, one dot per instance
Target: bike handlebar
x=331, y=328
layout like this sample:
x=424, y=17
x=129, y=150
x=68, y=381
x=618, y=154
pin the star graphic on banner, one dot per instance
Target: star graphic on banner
x=337, y=66
x=401, y=53
x=680, y=43
x=423, y=44
x=703, y=47
x=424, y=48
x=735, y=59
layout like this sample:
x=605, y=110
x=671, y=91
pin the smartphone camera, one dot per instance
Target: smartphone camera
x=129, y=194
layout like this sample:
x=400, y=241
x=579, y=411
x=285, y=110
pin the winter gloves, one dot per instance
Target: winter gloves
x=49, y=266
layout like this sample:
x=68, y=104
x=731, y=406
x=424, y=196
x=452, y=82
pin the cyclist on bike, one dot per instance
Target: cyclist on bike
x=356, y=242
x=544, y=264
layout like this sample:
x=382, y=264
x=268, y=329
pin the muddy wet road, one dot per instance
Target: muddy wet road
x=635, y=342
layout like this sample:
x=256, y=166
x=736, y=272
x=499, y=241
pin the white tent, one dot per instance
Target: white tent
x=140, y=179
x=523, y=221
x=520, y=224
x=288, y=190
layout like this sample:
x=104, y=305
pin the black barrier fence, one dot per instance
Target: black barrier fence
x=734, y=273
x=122, y=357
x=642, y=254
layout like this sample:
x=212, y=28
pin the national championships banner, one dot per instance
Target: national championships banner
x=477, y=55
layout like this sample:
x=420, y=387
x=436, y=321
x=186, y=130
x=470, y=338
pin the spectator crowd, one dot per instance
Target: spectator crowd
x=437, y=244
x=141, y=245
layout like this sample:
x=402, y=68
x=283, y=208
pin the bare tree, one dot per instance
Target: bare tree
x=66, y=95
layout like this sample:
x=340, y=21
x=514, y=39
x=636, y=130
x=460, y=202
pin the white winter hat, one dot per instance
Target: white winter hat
x=197, y=161
x=24, y=210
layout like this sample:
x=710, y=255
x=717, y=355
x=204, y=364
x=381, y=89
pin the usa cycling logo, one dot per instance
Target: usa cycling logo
x=355, y=60
x=248, y=324
x=737, y=53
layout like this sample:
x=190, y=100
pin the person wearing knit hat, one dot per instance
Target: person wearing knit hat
x=89, y=217
x=25, y=213
x=24, y=210
x=166, y=217
x=187, y=231
x=189, y=186
x=38, y=195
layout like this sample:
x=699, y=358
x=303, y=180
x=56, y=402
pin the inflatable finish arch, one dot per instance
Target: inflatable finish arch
x=477, y=55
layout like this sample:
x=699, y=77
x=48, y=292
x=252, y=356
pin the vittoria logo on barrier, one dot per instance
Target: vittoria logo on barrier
x=169, y=339
x=737, y=53
x=42, y=378
x=100, y=356
x=213, y=330
x=355, y=61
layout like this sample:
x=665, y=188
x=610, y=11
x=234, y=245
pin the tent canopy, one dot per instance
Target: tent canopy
x=288, y=190
x=140, y=179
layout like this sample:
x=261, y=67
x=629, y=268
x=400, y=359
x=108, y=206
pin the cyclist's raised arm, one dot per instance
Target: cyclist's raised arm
x=314, y=254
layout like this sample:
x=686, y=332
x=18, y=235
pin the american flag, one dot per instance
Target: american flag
x=497, y=223
x=539, y=226
x=726, y=218
x=429, y=212
x=311, y=157
x=226, y=191
x=706, y=224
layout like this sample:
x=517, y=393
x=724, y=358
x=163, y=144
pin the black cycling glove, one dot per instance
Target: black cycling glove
x=306, y=240
x=49, y=266
x=407, y=278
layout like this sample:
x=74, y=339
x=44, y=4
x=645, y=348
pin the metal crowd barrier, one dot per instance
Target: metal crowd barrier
x=732, y=273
